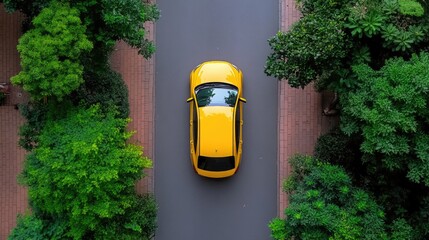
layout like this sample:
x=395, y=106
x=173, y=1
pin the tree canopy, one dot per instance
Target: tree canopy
x=375, y=59
x=65, y=39
x=51, y=52
x=389, y=108
x=333, y=36
x=84, y=171
x=325, y=205
x=80, y=171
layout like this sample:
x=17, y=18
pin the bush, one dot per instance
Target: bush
x=337, y=148
x=105, y=87
x=83, y=169
x=389, y=109
x=325, y=205
x=36, y=226
x=27, y=227
x=50, y=53
x=139, y=222
x=313, y=49
x=36, y=114
x=323, y=7
x=411, y=8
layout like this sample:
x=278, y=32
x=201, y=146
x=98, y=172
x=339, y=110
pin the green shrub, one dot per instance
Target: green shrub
x=367, y=18
x=124, y=20
x=312, y=50
x=105, y=87
x=410, y=8
x=334, y=147
x=302, y=165
x=278, y=227
x=337, y=148
x=325, y=205
x=36, y=226
x=389, y=109
x=138, y=222
x=323, y=7
x=36, y=114
x=83, y=169
x=50, y=53
x=27, y=227
x=401, y=230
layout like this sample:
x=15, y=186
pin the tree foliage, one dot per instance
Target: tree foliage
x=106, y=21
x=389, y=108
x=366, y=31
x=138, y=222
x=124, y=20
x=336, y=147
x=28, y=227
x=80, y=171
x=105, y=87
x=383, y=93
x=325, y=205
x=36, y=114
x=51, y=51
x=312, y=50
x=83, y=170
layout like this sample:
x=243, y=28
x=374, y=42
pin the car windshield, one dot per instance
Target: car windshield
x=216, y=94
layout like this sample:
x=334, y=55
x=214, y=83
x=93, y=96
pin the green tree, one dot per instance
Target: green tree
x=106, y=21
x=314, y=50
x=84, y=171
x=51, y=51
x=334, y=35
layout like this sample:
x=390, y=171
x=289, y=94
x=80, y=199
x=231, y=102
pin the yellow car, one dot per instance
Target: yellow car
x=216, y=118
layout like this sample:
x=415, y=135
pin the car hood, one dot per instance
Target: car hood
x=216, y=131
x=216, y=71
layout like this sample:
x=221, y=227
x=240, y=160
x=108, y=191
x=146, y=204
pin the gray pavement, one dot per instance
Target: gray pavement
x=192, y=207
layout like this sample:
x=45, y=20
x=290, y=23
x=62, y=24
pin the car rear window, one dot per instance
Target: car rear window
x=216, y=163
x=216, y=94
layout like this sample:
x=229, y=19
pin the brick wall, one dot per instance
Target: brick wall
x=300, y=114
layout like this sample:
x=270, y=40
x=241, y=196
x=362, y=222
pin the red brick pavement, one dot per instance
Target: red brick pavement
x=300, y=114
x=138, y=74
x=13, y=198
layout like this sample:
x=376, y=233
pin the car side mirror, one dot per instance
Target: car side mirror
x=190, y=99
x=243, y=100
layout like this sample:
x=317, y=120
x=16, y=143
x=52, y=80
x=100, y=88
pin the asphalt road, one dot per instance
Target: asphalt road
x=192, y=207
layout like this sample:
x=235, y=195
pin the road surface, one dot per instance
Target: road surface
x=192, y=207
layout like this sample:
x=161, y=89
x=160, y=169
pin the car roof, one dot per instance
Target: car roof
x=216, y=131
